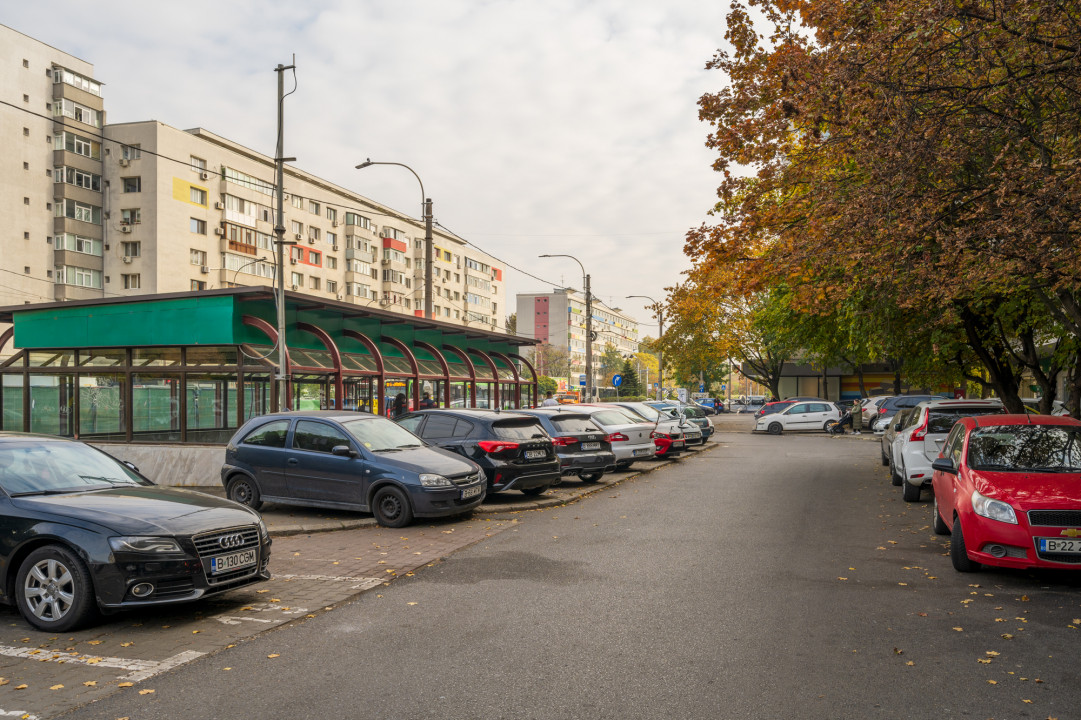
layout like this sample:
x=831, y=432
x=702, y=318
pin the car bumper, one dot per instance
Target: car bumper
x=1014, y=546
x=665, y=447
x=626, y=452
x=439, y=503
x=588, y=462
x=509, y=476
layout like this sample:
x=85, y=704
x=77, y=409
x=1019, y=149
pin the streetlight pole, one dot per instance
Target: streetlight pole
x=660, y=334
x=589, y=327
x=426, y=209
x=279, y=233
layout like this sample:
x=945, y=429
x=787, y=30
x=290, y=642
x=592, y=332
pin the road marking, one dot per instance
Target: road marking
x=137, y=669
x=17, y=714
x=361, y=583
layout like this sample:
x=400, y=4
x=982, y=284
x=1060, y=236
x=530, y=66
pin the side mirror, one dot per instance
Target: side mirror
x=343, y=451
x=945, y=465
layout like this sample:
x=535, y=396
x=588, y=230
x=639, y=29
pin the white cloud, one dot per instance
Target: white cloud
x=563, y=126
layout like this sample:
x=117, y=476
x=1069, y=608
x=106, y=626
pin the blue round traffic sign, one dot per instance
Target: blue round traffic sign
x=617, y=380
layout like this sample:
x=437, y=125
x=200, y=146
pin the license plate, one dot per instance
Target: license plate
x=640, y=453
x=591, y=446
x=233, y=561
x=472, y=492
x=1055, y=545
x=535, y=454
x=677, y=444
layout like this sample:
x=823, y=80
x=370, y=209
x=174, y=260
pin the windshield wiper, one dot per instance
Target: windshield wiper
x=387, y=449
x=410, y=445
x=64, y=491
x=112, y=481
x=1055, y=468
x=993, y=466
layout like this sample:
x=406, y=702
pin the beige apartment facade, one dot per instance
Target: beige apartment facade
x=138, y=208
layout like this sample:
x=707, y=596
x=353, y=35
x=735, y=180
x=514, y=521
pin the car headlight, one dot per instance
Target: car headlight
x=140, y=544
x=993, y=509
x=264, y=533
x=430, y=480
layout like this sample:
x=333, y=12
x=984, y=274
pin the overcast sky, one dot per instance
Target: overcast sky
x=558, y=126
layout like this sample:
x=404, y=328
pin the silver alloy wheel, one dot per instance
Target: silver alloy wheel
x=49, y=590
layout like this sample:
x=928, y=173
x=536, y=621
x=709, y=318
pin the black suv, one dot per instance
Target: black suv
x=582, y=447
x=513, y=449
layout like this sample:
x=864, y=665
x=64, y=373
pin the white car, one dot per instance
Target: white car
x=922, y=436
x=870, y=409
x=630, y=435
x=801, y=416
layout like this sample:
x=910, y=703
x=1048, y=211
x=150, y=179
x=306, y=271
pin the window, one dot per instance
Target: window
x=313, y=232
x=297, y=280
x=131, y=216
x=313, y=207
x=245, y=180
x=131, y=152
x=77, y=112
x=131, y=249
x=198, y=226
x=78, y=144
x=332, y=263
x=131, y=281
x=198, y=257
x=79, y=178
x=75, y=80
x=332, y=238
x=83, y=277
x=198, y=164
x=198, y=284
x=77, y=243
x=313, y=283
x=315, y=258
x=298, y=202
x=358, y=220
x=318, y=437
x=296, y=253
x=332, y=286
x=78, y=211
x=298, y=228
x=198, y=196
x=332, y=214
x=132, y=184
x=271, y=434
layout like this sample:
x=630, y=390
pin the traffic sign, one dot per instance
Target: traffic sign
x=617, y=380
x=701, y=387
x=582, y=379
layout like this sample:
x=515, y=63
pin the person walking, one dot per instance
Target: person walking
x=549, y=401
x=857, y=417
x=398, y=409
x=427, y=401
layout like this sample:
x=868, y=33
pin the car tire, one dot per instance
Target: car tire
x=775, y=428
x=885, y=460
x=590, y=477
x=938, y=523
x=826, y=426
x=53, y=590
x=535, y=490
x=242, y=489
x=958, y=551
x=910, y=493
x=391, y=507
x=895, y=477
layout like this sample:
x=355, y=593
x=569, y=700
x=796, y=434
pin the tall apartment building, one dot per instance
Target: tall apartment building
x=51, y=177
x=139, y=208
x=559, y=318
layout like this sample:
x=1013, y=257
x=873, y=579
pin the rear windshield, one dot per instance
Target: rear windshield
x=573, y=424
x=941, y=420
x=1018, y=448
x=647, y=412
x=613, y=417
x=521, y=429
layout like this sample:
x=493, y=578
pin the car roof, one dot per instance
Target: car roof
x=963, y=403
x=474, y=413
x=1019, y=419
x=331, y=414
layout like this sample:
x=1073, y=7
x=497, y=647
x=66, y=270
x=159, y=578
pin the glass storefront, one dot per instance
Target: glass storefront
x=101, y=406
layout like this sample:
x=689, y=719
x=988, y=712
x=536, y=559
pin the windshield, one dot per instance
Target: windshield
x=614, y=417
x=381, y=435
x=1025, y=448
x=29, y=467
x=523, y=429
x=647, y=412
x=573, y=424
x=940, y=420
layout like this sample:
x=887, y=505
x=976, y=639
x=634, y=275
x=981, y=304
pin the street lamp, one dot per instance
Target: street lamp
x=660, y=334
x=589, y=326
x=426, y=209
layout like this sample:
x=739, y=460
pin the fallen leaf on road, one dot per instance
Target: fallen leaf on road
x=984, y=661
x=902, y=583
x=991, y=653
x=412, y=603
x=1024, y=598
x=275, y=600
x=196, y=632
x=309, y=615
x=959, y=629
x=21, y=687
x=993, y=682
x=274, y=655
x=57, y=687
x=262, y=591
x=126, y=644
x=91, y=683
x=4, y=681
x=93, y=661
x=842, y=578
x=125, y=684
x=146, y=692
x=1027, y=701
x=1007, y=636
x=898, y=651
x=910, y=662
x=228, y=668
x=94, y=642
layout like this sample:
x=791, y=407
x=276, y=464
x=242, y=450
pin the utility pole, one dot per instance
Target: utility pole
x=427, y=256
x=282, y=373
x=589, y=342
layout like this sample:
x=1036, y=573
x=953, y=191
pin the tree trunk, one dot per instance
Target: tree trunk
x=995, y=359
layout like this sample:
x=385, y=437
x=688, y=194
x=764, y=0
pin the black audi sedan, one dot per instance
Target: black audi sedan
x=582, y=447
x=349, y=461
x=83, y=533
x=513, y=449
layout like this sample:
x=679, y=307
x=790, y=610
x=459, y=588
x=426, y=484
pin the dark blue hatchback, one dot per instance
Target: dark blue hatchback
x=349, y=461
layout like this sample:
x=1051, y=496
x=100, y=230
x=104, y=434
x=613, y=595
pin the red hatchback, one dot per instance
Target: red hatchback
x=1008, y=489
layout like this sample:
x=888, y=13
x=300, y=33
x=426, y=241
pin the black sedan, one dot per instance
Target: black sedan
x=513, y=449
x=81, y=532
x=349, y=461
x=582, y=447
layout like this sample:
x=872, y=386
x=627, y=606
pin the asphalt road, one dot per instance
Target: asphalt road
x=771, y=577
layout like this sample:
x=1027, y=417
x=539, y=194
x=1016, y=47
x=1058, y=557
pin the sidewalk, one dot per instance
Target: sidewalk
x=284, y=520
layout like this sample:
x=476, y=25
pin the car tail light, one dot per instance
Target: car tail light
x=617, y=437
x=564, y=441
x=920, y=432
x=882, y=411
x=494, y=447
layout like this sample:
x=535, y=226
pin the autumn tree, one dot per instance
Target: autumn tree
x=631, y=386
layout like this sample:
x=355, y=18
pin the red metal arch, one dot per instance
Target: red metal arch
x=408, y=355
x=533, y=372
x=472, y=373
x=287, y=365
x=442, y=363
x=514, y=371
x=5, y=337
x=495, y=374
x=335, y=354
x=370, y=346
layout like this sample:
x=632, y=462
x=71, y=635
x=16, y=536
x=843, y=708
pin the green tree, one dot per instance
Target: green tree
x=631, y=385
x=551, y=360
x=611, y=364
x=512, y=324
x=546, y=384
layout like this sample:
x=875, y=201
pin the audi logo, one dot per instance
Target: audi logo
x=231, y=541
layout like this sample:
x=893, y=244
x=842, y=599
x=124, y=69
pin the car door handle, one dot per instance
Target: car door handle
x=292, y=461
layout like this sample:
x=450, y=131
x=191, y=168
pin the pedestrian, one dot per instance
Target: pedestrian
x=427, y=402
x=857, y=417
x=549, y=401
x=399, y=405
